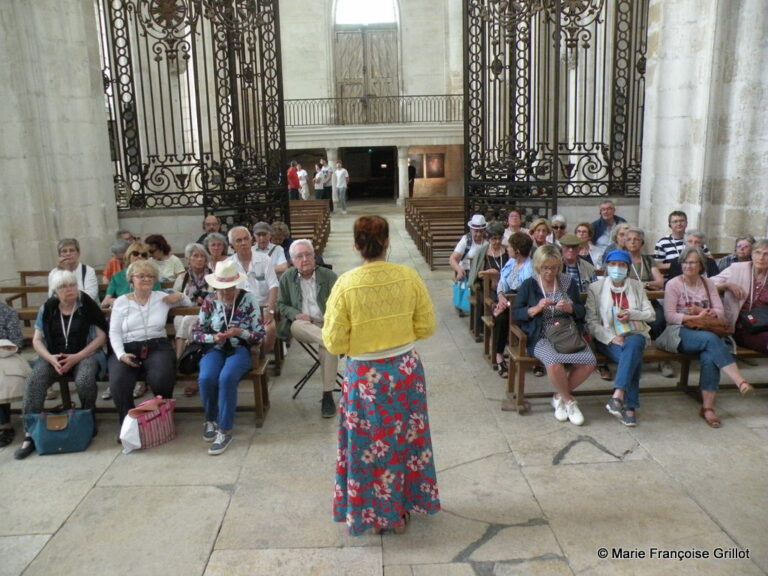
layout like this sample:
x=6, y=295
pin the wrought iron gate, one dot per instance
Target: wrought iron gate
x=194, y=91
x=555, y=97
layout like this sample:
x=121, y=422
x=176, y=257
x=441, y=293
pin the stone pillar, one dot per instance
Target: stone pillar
x=402, y=174
x=704, y=144
x=332, y=156
x=57, y=175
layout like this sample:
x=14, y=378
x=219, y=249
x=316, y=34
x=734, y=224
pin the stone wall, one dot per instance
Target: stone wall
x=705, y=148
x=54, y=152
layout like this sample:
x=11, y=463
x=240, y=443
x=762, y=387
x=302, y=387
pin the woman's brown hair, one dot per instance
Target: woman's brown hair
x=371, y=234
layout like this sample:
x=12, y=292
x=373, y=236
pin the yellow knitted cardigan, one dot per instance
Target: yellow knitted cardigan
x=377, y=306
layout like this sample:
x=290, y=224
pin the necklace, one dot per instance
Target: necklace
x=496, y=260
x=64, y=330
x=688, y=298
x=641, y=275
x=752, y=284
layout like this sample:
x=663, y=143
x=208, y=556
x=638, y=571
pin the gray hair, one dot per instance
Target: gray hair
x=119, y=247
x=695, y=234
x=237, y=229
x=63, y=278
x=296, y=244
x=215, y=236
x=749, y=238
x=119, y=233
x=760, y=244
x=558, y=218
x=193, y=247
x=639, y=231
x=67, y=242
x=688, y=250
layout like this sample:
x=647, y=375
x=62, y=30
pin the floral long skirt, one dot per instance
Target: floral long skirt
x=384, y=464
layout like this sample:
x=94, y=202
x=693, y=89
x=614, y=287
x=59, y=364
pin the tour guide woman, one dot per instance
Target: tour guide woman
x=385, y=467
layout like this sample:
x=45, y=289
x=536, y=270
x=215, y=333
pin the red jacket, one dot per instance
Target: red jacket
x=293, y=178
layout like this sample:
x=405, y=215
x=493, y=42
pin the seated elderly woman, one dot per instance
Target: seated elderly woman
x=117, y=262
x=168, y=264
x=68, y=250
x=539, y=230
x=487, y=263
x=13, y=370
x=517, y=269
x=742, y=252
x=118, y=284
x=216, y=244
x=139, y=341
x=696, y=239
x=546, y=300
x=617, y=314
x=691, y=305
x=193, y=284
x=587, y=250
x=230, y=321
x=70, y=331
x=618, y=239
x=743, y=285
x=645, y=269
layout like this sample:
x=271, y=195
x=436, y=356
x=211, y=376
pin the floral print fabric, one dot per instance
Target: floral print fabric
x=384, y=465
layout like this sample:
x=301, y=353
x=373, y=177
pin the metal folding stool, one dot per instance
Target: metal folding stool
x=316, y=364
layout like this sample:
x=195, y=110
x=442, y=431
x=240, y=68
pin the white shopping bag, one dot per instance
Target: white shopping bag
x=129, y=435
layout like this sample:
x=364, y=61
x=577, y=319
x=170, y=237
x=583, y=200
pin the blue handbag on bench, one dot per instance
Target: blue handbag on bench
x=60, y=432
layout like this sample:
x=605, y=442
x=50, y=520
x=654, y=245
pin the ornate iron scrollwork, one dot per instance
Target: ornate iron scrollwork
x=193, y=89
x=554, y=99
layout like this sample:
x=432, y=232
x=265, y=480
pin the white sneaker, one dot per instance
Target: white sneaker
x=666, y=370
x=561, y=415
x=574, y=414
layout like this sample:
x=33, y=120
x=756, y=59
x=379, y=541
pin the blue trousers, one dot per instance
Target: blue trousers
x=630, y=361
x=713, y=355
x=219, y=377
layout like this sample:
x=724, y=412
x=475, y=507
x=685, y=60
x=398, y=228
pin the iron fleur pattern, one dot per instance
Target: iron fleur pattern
x=193, y=89
x=554, y=101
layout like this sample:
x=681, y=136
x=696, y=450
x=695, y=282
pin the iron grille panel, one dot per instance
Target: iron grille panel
x=193, y=91
x=554, y=100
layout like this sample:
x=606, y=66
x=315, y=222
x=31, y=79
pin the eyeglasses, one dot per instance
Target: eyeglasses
x=301, y=255
x=140, y=254
x=558, y=227
x=743, y=246
x=549, y=268
x=144, y=276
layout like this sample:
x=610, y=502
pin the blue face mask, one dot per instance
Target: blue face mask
x=617, y=273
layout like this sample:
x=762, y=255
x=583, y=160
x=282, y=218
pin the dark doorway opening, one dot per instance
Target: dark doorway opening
x=372, y=172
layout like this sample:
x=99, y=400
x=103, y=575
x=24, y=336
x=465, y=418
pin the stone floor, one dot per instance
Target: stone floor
x=521, y=494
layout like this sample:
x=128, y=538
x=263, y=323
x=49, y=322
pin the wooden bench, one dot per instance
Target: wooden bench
x=520, y=361
x=311, y=219
x=257, y=376
x=435, y=225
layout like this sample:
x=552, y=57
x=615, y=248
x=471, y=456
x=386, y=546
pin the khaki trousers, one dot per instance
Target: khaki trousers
x=310, y=333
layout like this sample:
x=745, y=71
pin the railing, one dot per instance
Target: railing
x=374, y=110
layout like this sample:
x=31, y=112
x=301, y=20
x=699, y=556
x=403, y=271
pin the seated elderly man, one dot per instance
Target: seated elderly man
x=694, y=238
x=742, y=252
x=262, y=234
x=304, y=290
x=69, y=259
x=211, y=223
x=262, y=280
x=467, y=248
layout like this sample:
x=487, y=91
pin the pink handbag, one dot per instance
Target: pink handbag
x=155, y=423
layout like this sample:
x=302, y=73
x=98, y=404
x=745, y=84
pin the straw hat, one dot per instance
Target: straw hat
x=226, y=275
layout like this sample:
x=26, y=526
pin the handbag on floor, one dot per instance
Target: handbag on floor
x=60, y=432
x=150, y=424
x=461, y=296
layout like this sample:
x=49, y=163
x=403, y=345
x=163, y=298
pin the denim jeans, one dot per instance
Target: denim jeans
x=713, y=355
x=219, y=377
x=630, y=361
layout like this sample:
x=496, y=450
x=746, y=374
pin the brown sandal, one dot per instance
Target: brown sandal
x=745, y=388
x=714, y=421
x=190, y=391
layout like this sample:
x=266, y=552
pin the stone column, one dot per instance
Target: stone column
x=402, y=174
x=704, y=144
x=332, y=156
x=57, y=174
